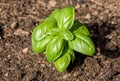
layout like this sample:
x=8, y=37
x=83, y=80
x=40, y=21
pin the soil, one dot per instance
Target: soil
x=18, y=18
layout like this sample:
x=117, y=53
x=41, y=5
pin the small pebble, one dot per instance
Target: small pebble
x=106, y=63
x=13, y=25
x=77, y=6
x=65, y=76
x=6, y=75
x=106, y=11
x=83, y=5
x=21, y=32
x=88, y=16
x=25, y=50
x=52, y=3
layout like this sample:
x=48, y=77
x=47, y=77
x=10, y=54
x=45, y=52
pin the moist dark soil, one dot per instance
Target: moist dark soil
x=18, y=62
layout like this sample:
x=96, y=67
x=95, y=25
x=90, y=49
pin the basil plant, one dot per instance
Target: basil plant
x=59, y=35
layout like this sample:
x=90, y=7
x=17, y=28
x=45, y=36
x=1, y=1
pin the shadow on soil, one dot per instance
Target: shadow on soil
x=1, y=31
x=99, y=38
x=78, y=61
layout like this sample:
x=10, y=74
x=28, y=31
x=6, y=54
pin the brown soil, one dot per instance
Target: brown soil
x=18, y=62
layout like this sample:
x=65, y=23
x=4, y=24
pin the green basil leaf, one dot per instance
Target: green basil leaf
x=64, y=17
x=54, y=49
x=55, y=13
x=79, y=28
x=40, y=46
x=71, y=52
x=75, y=25
x=40, y=31
x=82, y=44
x=82, y=30
x=67, y=35
x=62, y=63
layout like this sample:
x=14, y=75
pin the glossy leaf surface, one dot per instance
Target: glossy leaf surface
x=40, y=46
x=71, y=52
x=40, y=31
x=67, y=35
x=62, y=63
x=54, y=49
x=79, y=28
x=82, y=30
x=83, y=44
x=64, y=17
x=75, y=25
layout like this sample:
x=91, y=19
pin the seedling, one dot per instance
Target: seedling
x=59, y=35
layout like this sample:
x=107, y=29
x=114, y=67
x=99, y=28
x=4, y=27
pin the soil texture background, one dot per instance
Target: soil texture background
x=18, y=18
